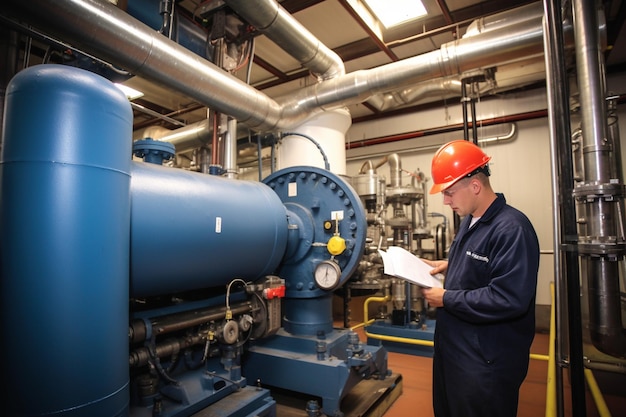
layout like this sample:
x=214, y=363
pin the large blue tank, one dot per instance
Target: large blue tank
x=65, y=225
x=185, y=32
x=192, y=231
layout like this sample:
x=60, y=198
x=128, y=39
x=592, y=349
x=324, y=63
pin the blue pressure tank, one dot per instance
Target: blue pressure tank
x=185, y=31
x=192, y=230
x=64, y=248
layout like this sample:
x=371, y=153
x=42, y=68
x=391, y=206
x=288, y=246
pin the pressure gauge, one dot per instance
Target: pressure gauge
x=327, y=274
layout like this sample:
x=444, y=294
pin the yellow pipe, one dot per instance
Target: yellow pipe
x=397, y=339
x=551, y=382
x=401, y=339
x=383, y=337
x=603, y=410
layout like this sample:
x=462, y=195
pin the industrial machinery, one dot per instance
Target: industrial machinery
x=404, y=317
x=132, y=288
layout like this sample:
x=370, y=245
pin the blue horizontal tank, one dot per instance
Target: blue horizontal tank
x=192, y=231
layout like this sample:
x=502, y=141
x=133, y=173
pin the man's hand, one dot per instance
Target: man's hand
x=434, y=296
x=438, y=266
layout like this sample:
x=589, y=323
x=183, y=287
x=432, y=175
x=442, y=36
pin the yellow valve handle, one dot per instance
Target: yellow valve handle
x=336, y=245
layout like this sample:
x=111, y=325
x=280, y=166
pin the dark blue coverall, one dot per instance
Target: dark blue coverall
x=485, y=328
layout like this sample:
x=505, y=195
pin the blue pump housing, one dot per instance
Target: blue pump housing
x=192, y=230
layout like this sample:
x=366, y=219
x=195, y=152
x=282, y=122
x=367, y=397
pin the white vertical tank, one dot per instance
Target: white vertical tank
x=328, y=129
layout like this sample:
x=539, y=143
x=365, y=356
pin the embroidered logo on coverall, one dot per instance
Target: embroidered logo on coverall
x=477, y=256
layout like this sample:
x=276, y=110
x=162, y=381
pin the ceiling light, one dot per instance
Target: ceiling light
x=131, y=93
x=395, y=12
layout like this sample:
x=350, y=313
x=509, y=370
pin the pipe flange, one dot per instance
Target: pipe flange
x=314, y=197
x=153, y=151
x=596, y=191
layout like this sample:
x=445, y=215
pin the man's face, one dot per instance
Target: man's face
x=460, y=197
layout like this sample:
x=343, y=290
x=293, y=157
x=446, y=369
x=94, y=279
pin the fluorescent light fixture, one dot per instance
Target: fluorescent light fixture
x=131, y=93
x=395, y=12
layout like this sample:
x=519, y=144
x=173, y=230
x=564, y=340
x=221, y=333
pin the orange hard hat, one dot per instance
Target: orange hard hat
x=454, y=161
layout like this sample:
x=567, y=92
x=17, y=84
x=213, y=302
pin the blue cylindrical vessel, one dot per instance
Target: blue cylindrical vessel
x=192, y=231
x=185, y=32
x=64, y=250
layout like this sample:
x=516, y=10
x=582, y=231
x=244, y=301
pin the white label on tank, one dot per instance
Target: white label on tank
x=293, y=189
x=218, y=225
x=336, y=215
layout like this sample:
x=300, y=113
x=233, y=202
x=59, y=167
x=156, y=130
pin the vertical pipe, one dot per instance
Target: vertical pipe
x=464, y=100
x=230, y=149
x=64, y=248
x=602, y=193
x=551, y=382
x=591, y=82
x=566, y=268
x=474, y=126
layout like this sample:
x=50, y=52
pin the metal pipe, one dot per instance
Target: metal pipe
x=111, y=34
x=395, y=170
x=564, y=216
x=387, y=101
x=271, y=19
x=464, y=100
x=592, y=90
x=496, y=47
x=116, y=37
x=603, y=245
x=503, y=19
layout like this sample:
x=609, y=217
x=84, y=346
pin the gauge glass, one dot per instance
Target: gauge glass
x=327, y=274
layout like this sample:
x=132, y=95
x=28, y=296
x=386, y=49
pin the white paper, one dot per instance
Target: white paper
x=401, y=263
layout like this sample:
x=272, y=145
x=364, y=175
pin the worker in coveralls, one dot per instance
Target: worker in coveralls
x=486, y=309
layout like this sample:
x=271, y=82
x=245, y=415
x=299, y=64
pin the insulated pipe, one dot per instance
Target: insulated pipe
x=271, y=19
x=497, y=47
x=105, y=31
x=118, y=38
x=443, y=86
x=503, y=19
x=64, y=264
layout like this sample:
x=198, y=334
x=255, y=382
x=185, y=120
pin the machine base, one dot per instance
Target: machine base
x=248, y=401
x=369, y=398
x=326, y=366
x=385, y=328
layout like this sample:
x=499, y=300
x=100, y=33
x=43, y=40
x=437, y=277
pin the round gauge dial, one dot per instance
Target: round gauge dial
x=327, y=274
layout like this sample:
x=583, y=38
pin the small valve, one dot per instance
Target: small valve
x=336, y=245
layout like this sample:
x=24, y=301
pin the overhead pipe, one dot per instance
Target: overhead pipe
x=111, y=34
x=452, y=85
x=271, y=19
x=503, y=19
x=494, y=48
x=402, y=97
x=452, y=128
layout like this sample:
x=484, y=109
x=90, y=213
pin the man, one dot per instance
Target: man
x=486, y=310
